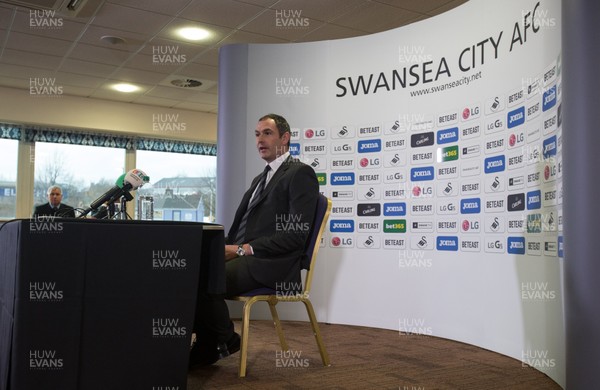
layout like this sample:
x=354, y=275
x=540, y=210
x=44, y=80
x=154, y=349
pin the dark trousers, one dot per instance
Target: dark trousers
x=212, y=324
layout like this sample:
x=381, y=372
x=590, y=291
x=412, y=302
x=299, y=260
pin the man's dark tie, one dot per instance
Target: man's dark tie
x=241, y=233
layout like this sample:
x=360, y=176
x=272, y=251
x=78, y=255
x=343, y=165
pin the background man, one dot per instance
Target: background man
x=263, y=249
x=54, y=207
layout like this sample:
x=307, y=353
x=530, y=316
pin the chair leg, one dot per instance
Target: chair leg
x=277, y=323
x=316, y=332
x=244, y=342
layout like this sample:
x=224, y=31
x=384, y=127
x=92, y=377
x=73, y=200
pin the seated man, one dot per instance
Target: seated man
x=54, y=207
x=260, y=250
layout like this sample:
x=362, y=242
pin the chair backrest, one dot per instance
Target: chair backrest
x=314, y=239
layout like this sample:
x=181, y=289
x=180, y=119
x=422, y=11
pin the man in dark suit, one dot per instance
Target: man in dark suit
x=266, y=241
x=54, y=207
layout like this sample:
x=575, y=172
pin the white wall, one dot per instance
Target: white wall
x=18, y=106
x=490, y=296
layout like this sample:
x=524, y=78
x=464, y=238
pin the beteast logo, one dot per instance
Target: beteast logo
x=394, y=209
x=470, y=206
x=515, y=202
x=368, y=209
x=549, y=147
x=533, y=110
x=421, y=174
x=534, y=200
x=447, y=243
x=342, y=163
x=342, y=179
x=516, y=245
x=549, y=99
x=422, y=139
x=447, y=136
x=369, y=131
x=341, y=226
x=494, y=164
x=369, y=146
x=470, y=131
x=516, y=117
x=314, y=149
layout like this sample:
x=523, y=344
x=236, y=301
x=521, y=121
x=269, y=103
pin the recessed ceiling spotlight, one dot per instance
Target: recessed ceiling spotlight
x=193, y=33
x=125, y=87
x=113, y=40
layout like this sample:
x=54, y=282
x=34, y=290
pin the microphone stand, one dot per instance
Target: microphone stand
x=122, y=214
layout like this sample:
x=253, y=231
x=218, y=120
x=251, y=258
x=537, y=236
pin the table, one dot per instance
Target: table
x=93, y=304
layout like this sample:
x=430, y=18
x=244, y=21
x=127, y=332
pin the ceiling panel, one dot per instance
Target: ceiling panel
x=71, y=52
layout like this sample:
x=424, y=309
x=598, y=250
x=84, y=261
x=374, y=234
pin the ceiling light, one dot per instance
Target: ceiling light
x=193, y=33
x=113, y=40
x=124, y=87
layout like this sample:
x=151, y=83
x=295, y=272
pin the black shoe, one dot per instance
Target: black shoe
x=231, y=347
x=205, y=355
x=202, y=355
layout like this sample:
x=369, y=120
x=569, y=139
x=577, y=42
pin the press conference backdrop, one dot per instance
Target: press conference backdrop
x=440, y=146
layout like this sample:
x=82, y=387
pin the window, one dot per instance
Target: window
x=8, y=178
x=182, y=186
x=83, y=172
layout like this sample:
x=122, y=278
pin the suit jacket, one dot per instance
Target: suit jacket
x=278, y=226
x=64, y=211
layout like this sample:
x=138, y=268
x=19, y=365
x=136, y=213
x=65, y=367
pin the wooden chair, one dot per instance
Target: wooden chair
x=272, y=297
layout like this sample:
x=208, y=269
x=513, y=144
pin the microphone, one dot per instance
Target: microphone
x=129, y=181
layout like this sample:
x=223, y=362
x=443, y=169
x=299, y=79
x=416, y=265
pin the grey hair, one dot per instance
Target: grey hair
x=53, y=188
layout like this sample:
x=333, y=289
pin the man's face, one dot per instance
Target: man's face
x=268, y=142
x=55, y=197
